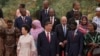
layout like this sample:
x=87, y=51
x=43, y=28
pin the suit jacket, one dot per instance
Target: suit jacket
x=60, y=33
x=46, y=48
x=70, y=14
x=75, y=43
x=1, y=14
x=19, y=22
x=56, y=22
x=43, y=16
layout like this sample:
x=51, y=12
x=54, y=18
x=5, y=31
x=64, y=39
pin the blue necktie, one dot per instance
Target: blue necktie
x=64, y=30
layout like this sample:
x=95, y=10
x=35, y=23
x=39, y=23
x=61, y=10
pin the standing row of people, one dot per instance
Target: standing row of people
x=72, y=35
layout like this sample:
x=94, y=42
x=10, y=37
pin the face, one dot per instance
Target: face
x=84, y=21
x=24, y=31
x=9, y=25
x=77, y=6
x=45, y=5
x=51, y=12
x=98, y=13
x=48, y=27
x=33, y=26
x=64, y=20
x=23, y=12
x=90, y=27
x=73, y=27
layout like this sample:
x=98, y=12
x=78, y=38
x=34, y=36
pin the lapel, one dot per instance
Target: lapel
x=51, y=40
x=51, y=35
x=62, y=29
x=54, y=19
x=66, y=30
x=44, y=35
x=76, y=35
x=24, y=19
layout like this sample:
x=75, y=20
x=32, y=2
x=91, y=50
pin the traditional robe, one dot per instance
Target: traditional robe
x=89, y=38
x=10, y=41
x=2, y=35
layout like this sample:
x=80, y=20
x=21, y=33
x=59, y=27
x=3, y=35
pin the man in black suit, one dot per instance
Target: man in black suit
x=1, y=13
x=20, y=21
x=47, y=42
x=61, y=31
x=76, y=7
x=44, y=12
x=52, y=18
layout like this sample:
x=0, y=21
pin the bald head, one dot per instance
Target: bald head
x=45, y=4
x=51, y=12
x=63, y=20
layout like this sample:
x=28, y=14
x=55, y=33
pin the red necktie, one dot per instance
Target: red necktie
x=48, y=37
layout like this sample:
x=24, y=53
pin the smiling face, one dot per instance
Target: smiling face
x=64, y=20
x=84, y=21
x=90, y=27
x=24, y=31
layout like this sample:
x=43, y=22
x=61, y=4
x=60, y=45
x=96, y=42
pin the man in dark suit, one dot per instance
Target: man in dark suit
x=75, y=41
x=44, y=12
x=76, y=7
x=1, y=13
x=47, y=42
x=20, y=21
x=52, y=18
x=61, y=30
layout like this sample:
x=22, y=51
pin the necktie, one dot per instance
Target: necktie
x=64, y=30
x=48, y=37
x=24, y=19
x=46, y=11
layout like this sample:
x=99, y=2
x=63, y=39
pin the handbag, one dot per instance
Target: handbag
x=96, y=51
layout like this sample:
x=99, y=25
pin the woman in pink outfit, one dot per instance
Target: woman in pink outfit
x=36, y=29
x=83, y=25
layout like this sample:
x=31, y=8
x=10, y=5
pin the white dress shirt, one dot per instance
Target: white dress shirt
x=97, y=21
x=52, y=19
x=46, y=10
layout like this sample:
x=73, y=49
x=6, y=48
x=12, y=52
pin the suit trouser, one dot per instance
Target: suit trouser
x=62, y=50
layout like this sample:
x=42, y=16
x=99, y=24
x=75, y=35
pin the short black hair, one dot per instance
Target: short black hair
x=26, y=28
x=73, y=23
x=1, y=13
x=22, y=5
x=94, y=25
x=9, y=21
x=47, y=22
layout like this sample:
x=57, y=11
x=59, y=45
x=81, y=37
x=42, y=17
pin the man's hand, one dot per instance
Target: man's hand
x=93, y=44
x=57, y=54
x=61, y=44
x=79, y=55
x=66, y=54
x=65, y=41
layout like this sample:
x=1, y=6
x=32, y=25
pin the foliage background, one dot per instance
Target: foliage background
x=61, y=7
